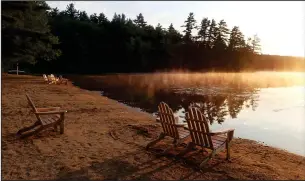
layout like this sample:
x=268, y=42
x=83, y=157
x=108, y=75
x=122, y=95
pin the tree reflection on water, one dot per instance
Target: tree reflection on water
x=218, y=97
x=216, y=105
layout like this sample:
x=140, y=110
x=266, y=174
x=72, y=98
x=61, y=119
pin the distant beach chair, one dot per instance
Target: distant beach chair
x=45, y=78
x=51, y=79
x=170, y=127
x=54, y=79
x=63, y=80
x=55, y=117
x=201, y=136
x=48, y=79
x=58, y=80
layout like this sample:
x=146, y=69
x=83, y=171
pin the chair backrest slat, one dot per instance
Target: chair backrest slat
x=32, y=105
x=199, y=128
x=167, y=120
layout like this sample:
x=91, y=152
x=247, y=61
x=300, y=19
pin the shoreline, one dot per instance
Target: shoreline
x=105, y=139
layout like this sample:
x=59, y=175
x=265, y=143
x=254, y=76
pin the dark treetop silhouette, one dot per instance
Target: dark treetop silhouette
x=70, y=41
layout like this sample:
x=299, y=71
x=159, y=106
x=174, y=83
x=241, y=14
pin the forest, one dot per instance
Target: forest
x=46, y=40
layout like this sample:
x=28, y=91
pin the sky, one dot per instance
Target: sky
x=279, y=24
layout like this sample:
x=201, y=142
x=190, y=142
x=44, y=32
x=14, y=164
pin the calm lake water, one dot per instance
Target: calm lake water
x=272, y=114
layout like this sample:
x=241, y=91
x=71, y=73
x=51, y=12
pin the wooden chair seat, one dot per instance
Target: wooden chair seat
x=45, y=120
x=183, y=133
x=218, y=141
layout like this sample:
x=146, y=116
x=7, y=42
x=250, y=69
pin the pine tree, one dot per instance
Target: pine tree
x=255, y=44
x=83, y=16
x=211, y=34
x=53, y=13
x=171, y=28
x=139, y=21
x=25, y=32
x=102, y=19
x=204, y=30
x=236, y=41
x=190, y=24
x=222, y=32
x=159, y=27
x=94, y=18
x=173, y=36
x=71, y=12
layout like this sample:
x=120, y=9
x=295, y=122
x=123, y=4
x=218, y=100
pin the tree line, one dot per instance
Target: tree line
x=71, y=41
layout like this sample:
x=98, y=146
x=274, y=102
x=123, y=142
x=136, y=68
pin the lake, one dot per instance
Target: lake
x=264, y=106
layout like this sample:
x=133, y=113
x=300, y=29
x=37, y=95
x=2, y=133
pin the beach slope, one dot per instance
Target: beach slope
x=104, y=139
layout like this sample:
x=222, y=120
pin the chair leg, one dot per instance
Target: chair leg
x=204, y=150
x=28, y=128
x=55, y=127
x=228, y=145
x=175, y=142
x=161, y=136
x=188, y=148
x=62, y=124
x=62, y=127
x=207, y=159
x=166, y=150
x=179, y=142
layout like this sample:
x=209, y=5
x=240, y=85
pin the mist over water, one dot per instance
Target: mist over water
x=263, y=106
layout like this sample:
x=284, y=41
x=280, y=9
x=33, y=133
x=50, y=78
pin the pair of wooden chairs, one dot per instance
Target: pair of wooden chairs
x=197, y=128
x=46, y=117
x=51, y=79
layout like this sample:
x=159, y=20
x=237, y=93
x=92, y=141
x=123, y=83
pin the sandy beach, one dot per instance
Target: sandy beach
x=104, y=139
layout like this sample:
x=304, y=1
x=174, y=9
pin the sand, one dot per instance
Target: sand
x=104, y=139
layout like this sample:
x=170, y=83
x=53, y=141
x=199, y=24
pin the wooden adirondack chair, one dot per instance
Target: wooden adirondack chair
x=51, y=79
x=55, y=117
x=58, y=80
x=170, y=127
x=63, y=80
x=54, y=79
x=201, y=135
x=45, y=78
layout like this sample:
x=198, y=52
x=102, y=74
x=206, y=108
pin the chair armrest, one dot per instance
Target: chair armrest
x=51, y=112
x=176, y=119
x=43, y=109
x=186, y=127
x=180, y=125
x=220, y=132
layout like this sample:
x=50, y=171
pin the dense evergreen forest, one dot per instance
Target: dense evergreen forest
x=47, y=40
